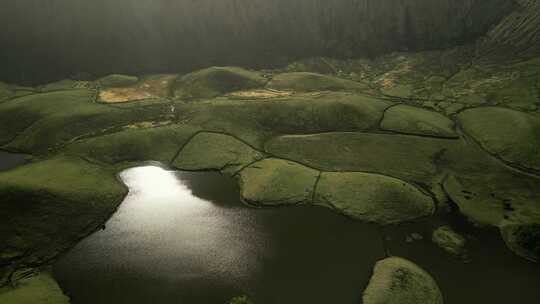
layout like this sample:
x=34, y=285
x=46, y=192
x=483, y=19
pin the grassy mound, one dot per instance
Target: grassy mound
x=216, y=81
x=406, y=157
x=240, y=300
x=399, y=281
x=277, y=182
x=307, y=82
x=135, y=144
x=337, y=133
x=256, y=120
x=524, y=240
x=66, y=84
x=371, y=197
x=49, y=205
x=40, y=122
x=494, y=196
x=417, y=121
x=117, y=80
x=215, y=151
x=511, y=135
x=37, y=289
x=399, y=90
x=16, y=116
x=5, y=92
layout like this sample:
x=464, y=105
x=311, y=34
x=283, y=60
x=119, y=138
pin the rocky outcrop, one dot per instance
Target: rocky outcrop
x=399, y=281
x=449, y=240
x=518, y=33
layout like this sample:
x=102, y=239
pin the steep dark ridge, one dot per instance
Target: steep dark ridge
x=517, y=35
x=43, y=40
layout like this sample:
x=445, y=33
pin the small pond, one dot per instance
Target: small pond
x=184, y=237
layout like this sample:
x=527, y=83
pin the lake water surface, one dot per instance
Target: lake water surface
x=11, y=160
x=184, y=237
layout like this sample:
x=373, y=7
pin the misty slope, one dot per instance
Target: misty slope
x=518, y=33
x=100, y=37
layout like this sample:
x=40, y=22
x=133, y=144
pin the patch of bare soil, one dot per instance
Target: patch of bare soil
x=152, y=87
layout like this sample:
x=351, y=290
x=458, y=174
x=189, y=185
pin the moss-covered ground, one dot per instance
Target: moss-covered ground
x=48, y=205
x=386, y=140
x=397, y=280
x=216, y=81
x=39, y=288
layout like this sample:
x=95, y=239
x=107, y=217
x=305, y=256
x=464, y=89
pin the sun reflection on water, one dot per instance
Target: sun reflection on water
x=166, y=244
x=161, y=225
x=152, y=182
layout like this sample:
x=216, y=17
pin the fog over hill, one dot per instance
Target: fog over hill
x=43, y=40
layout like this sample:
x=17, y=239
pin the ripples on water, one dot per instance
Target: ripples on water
x=185, y=238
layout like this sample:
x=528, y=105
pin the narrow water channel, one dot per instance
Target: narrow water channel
x=186, y=238
x=10, y=160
